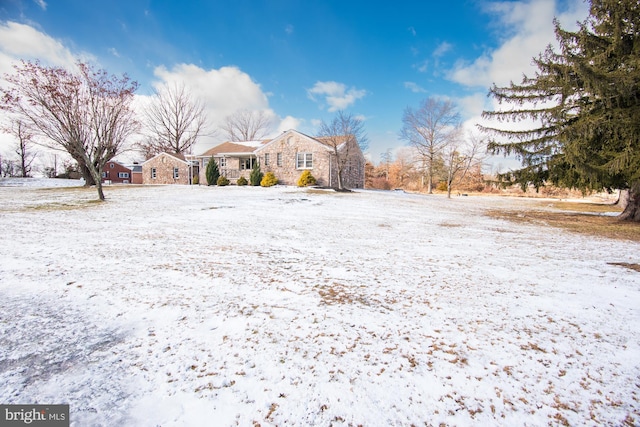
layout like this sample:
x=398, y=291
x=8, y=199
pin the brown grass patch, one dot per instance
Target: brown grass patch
x=582, y=207
x=338, y=293
x=581, y=222
x=64, y=206
x=635, y=267
x=450, y=224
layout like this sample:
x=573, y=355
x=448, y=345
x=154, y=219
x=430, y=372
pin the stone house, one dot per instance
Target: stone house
x=166, y=168
x=287, y=156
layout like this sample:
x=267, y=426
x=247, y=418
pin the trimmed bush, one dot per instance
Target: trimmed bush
x=222, y=181
x=268, y=180
x=196, y=180
x=306, y=179
x=242, y=181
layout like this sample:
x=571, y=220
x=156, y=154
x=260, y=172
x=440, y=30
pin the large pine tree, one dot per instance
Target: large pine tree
x=584, y=103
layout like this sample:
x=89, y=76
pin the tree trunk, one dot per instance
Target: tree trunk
x=86, y=174
x=84, y=171
x=632, y=211
x=449, y=181
x=623, y=199
x=340, y=179
x=100, y=192
x=96, y=175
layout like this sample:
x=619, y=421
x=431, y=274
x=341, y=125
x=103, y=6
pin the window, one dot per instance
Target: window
x=279, y=159
x=111, y=165
x=222, y=162
x=123, y=174
x=266, y=159
x=247, y=163
x=104, y=174
x=304, y=160
x=176, y=173
x=153, y=173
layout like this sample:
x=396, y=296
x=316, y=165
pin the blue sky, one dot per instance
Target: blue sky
x=299, y=61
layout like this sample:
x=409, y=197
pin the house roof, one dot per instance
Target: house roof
x=249, y=147
x=234, y=148
x=117, y=162
x=289, y=132
x=174, y=155
x=329, y=141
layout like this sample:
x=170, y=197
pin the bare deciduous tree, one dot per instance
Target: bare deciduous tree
x=403, y=168
x=8, y=168
x=460, y=156
x=85, y=112
x=344, y=134
x=148, y=147
x=245, y=125
x=429, y=129
x=174, y=120
x=24, y=141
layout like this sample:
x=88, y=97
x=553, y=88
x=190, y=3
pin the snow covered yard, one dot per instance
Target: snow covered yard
x=185, y=306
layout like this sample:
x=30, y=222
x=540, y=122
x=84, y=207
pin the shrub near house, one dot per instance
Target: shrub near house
x=268, y=180
x=306, y=179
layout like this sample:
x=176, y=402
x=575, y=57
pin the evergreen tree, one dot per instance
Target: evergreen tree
x=256, y=175
x=585, y=103
x=213, y=173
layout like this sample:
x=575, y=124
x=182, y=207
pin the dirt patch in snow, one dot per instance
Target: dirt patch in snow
x=575, y=221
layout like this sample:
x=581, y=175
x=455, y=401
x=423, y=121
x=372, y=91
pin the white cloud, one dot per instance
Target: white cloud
x=113, y=51
x=41, y=3
x=422, y=66
x=442, y=48
x=412, y=31
x=529, y=26
x=414, y=87
x=336, y=95
x=289, y=29
x=20, y=41
x=287, y=123
x=223, y=92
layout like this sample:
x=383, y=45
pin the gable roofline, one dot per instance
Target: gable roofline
x=176, y=156
x=118, y=163
x=234, y=148
x=325, y=140
x=284, y=134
